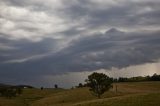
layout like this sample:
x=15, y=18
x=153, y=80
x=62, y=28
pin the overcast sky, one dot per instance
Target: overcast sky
x=43, y=42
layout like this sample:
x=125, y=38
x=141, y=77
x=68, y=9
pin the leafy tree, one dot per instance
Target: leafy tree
x=56, y=86
x=19, y=90
x=42, y=88
x=155, y=77
x=99, y=83
x=80, y=85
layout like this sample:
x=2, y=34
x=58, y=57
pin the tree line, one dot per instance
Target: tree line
x=11, y=91
x=154, y=77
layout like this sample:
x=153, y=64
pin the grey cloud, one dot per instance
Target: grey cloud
x=16, y=2
x=95, y=52
x=124, y=14
x=119, y=51
x=25, y=48
x=74, y=47
x=88, y=15
x=72, y=32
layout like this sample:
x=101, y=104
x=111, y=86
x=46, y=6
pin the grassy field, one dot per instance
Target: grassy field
x=128, y=94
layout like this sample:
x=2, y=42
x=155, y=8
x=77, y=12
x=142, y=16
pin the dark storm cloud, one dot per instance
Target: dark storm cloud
x=106, y=51
x=124, y=14
x=18, y=49
x=111, y=49
x=40, y=38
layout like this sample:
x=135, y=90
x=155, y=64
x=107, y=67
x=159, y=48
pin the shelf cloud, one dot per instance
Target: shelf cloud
x=53, y=37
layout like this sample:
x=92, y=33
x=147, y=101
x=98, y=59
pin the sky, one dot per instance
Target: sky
x=47, y=42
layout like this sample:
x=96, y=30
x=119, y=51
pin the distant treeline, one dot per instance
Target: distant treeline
x=154, y=77
x=12, y=91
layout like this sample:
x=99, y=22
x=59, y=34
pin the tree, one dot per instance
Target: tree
x=56, y=86
x=19, y=90
x=80, y=85
x=155, y=77
x=99, y=83
x=42, y=88
x=10, y=91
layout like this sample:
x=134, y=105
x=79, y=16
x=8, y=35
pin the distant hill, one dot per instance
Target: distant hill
x=21, y=86
x=24, y=86
x=4, y=85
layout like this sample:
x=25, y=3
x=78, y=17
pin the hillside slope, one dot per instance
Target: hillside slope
x=128, y=94
x=81, y=96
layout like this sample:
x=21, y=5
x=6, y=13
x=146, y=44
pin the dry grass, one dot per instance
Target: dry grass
x=82, y=97
x=131, y=100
